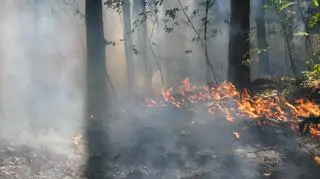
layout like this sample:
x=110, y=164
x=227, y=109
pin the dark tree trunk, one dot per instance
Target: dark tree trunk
x=238, y=73
x=208, y=69
x=128, y=40
x=97, y=92
x=261, y=38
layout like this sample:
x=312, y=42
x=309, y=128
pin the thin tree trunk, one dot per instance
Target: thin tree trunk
x=153, y=39
x=238, y=73
x=164, y=47
x=308, y=43
x=288, y=35
x=97, y=92
x=128, y=40
x=264, y=65
x=208, y=69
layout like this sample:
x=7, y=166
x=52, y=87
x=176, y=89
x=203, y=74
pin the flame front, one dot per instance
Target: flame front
x=225, y=99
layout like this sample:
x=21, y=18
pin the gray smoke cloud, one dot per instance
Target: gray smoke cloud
x=42, y=76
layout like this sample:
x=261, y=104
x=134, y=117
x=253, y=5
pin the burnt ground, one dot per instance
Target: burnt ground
x=165, y=143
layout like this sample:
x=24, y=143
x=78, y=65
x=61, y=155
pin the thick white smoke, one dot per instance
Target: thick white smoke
x=42, y=78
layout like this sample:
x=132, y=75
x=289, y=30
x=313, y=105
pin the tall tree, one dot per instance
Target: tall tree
x=238, y=72
x=139, y=13
x=261, y=38
x=97, y=92
x=128, y=39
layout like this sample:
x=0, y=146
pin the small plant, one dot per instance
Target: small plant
x=313, y=76
x=314, y=73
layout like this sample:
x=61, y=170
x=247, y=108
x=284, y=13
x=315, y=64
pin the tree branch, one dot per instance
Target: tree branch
x=203, y=43
x=284, y=30
x=153, y=54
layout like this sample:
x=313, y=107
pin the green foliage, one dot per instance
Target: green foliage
x=248, y=62
x=174, y=17
x=288, y=10
x=314, y=17
x=313, y=77
x=314, y=73
x=314, y=20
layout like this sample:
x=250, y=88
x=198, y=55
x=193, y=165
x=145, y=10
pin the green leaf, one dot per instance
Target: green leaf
x=317, y=68
x=316, y=3
x=286, y=5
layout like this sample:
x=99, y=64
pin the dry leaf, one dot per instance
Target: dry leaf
x=236, y=134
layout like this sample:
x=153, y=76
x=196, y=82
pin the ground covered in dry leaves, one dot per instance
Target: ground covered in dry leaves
x=179, y=147
x=25, y=162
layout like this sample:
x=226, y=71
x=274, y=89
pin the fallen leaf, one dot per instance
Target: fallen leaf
x=236, y=134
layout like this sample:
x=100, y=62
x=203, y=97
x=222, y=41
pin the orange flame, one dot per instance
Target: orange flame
x=227, y=100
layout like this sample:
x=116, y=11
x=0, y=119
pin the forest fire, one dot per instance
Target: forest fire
x=225, y=99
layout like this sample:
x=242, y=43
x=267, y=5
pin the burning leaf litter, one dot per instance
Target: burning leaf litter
x=226, y=100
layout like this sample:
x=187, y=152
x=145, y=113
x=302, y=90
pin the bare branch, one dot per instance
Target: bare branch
x=153, y=54
x=203, y=43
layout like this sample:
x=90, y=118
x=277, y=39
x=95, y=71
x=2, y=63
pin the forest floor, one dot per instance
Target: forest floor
x=165, y=143
x=204, y=151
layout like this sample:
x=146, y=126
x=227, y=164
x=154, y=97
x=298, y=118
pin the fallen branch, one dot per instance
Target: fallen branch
x=257, y=151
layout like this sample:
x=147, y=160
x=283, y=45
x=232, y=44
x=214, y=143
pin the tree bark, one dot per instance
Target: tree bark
x=97, y=93
x=238, y=73
x=128, y=40
x=264, y=66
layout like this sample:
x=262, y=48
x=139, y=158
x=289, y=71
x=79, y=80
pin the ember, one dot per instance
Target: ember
x=317, y=159
x=225, y=99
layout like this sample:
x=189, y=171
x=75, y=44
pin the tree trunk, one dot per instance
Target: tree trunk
x=264, y=66
x=205, y=23
x=128, y=40
x=139, y=12
x=97, y=92
x=238, y=73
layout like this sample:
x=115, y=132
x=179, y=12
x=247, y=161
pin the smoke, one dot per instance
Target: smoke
x=164, y=142
x=42, y=72
x=42, y=52
x=42, y=60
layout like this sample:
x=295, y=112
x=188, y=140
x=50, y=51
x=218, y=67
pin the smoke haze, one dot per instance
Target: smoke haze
x=42, y=77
